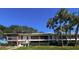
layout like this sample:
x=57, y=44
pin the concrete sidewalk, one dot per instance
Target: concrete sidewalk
x=13, y=47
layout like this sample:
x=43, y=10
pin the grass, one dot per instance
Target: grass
x=45, y=48
x=3, y=48
x=49, y=48
x=8, y=47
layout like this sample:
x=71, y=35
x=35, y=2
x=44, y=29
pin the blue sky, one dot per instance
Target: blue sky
x=32, y=17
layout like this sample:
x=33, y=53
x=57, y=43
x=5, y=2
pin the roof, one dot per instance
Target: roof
x=36, y=34
x=28, y=34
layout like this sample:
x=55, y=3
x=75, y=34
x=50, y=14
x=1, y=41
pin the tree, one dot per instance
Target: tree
x=2, y=29
x=16, y=29
x=64, y=22
x=58, y=21
x=76, y=23
x=22, y=29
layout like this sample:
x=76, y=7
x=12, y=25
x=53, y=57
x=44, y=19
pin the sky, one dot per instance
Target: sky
x=31, y=17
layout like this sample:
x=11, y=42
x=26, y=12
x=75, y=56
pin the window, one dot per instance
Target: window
x=43, y=37
x=21, y=37
x=34, y=37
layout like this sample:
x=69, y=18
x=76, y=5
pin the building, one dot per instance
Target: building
x=35, y=38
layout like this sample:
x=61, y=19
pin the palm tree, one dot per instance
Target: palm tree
x=51, y=24
x=70, y=21
x=63, y=20
x=67, y=27
x=56, y=22
x=76, y=21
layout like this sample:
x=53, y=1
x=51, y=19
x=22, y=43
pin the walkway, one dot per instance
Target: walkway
x=13, y=47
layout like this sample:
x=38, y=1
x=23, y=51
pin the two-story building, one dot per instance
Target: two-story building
x=35, y=38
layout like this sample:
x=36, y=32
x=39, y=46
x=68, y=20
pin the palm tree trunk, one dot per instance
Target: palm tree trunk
x=61, y=39
x=58, y=39
x=66, y=39
x=61, y=33
x=70, y=35
x=76, y=33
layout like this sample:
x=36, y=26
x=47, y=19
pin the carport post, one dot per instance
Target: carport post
x=28, y=40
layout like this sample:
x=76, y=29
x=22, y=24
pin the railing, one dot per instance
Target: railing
x=37, y=39
x=29, y=39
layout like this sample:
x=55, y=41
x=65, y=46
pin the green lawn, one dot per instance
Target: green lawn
x=49, y=48
x=44, y=48
x=3, y=48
